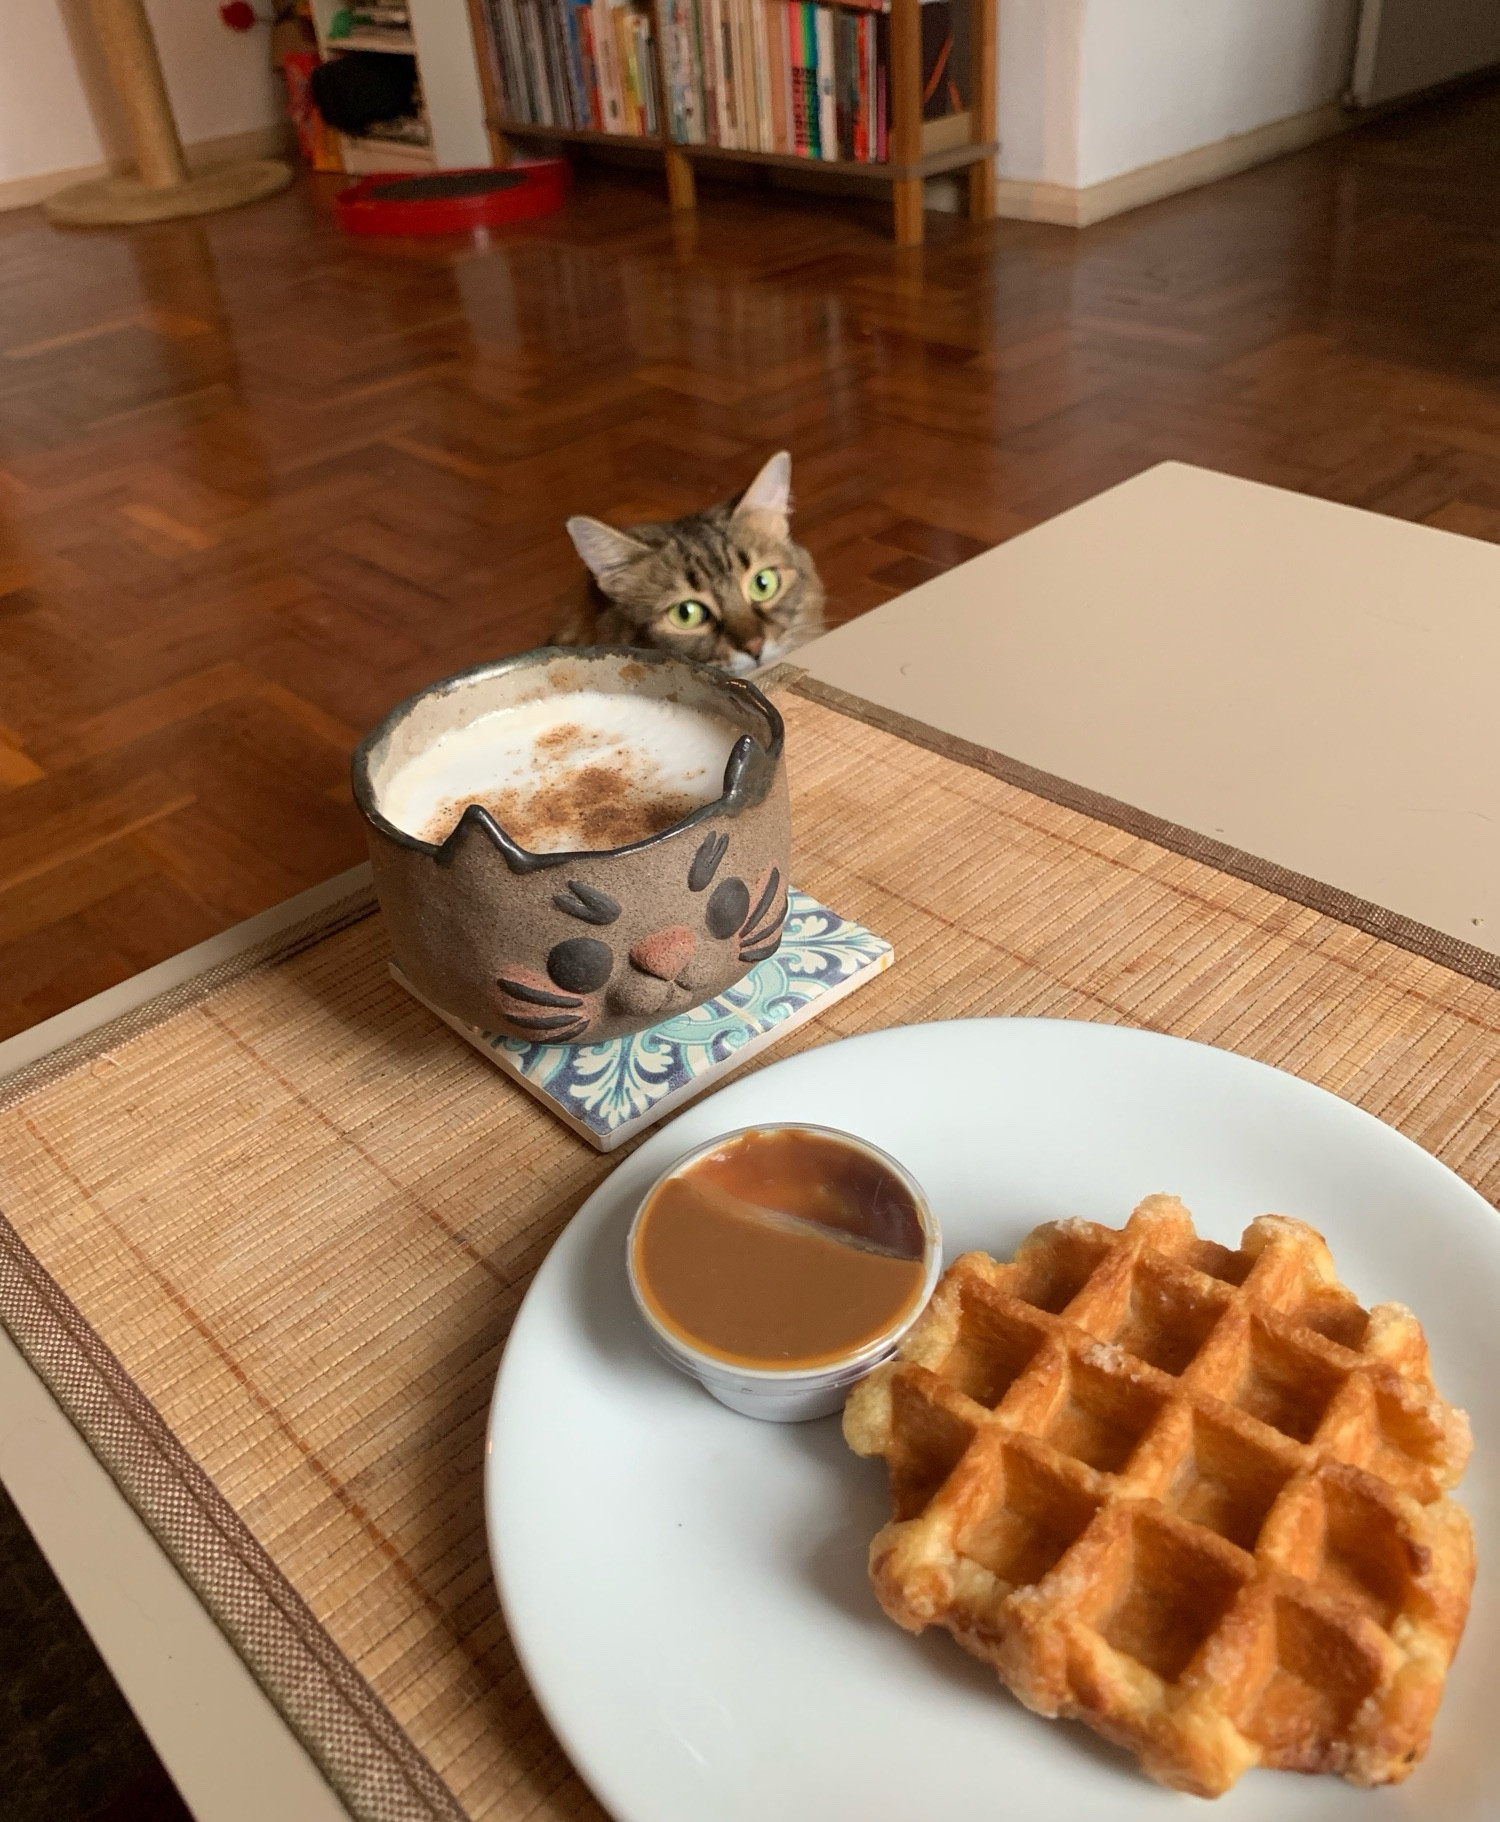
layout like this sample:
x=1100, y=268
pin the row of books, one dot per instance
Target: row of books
x=577, y=64
x=778, y=76
x=800, y=77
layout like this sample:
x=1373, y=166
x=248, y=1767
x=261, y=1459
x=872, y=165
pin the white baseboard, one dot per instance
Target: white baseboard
x=1078, y=208
x=260, y=142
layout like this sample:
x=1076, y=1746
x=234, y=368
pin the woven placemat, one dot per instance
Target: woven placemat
x=265, y=1242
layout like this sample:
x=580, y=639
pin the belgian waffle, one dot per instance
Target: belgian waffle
x=1193, y=1497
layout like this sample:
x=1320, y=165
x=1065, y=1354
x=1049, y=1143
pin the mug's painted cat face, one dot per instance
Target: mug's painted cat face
x=726, y=587
x=601, y=962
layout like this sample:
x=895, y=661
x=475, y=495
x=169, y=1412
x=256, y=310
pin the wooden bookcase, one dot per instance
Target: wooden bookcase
x=455, y=98
x=904, y=172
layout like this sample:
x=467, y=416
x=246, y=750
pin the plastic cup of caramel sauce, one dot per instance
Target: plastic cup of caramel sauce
x=779, y=1264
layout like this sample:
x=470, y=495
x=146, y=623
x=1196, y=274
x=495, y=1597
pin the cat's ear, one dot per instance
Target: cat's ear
x=603, y=548
x=770, y=493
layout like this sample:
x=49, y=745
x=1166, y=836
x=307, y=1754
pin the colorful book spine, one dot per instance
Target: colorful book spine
x=629, y=74
x=729, y=71
x=714, y=73
x=744, y=64
x=556, y=57
x=676, y=71
x=505, y=39
x=684, y=93
x=861, y=93
x=845, y=78
x=645, y=61
x=724, y=55
x=536, y=63
x=776, y=69
x=885, y=111
x=828, y=131
x=645, y=57
x=611, y=92
x=751, y=84
x=853, y=72
x=877, y=144
x=766, y=136
x=805, y=75
x=697, y=86
x=577, y=81
x=584, y=16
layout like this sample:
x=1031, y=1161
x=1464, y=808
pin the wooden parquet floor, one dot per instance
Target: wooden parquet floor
x=258, y=481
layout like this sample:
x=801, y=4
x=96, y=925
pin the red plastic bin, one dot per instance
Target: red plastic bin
x=453, y=202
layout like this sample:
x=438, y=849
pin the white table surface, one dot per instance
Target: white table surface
x=1312, y=684
x=1309, y=683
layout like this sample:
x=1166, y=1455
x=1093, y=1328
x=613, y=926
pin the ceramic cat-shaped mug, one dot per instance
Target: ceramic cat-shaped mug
x=592, y=941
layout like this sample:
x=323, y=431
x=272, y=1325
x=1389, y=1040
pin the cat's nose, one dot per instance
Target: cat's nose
x=665, y=953
x=756, y=645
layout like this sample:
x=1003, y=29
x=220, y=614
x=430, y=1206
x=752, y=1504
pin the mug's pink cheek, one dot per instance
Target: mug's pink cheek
x=530, y=1006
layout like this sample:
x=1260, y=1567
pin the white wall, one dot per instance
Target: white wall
x=1040, y=47
x=1161, y=77
x=56, y=110
x=45, y=122
x=1093, y=88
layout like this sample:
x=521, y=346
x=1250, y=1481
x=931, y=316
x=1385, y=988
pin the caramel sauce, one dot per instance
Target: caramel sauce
x=781, y=1249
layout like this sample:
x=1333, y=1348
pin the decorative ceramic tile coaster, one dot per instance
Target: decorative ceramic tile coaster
x=609, y=1091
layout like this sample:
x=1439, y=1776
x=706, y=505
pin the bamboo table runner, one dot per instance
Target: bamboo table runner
x=265, y=1238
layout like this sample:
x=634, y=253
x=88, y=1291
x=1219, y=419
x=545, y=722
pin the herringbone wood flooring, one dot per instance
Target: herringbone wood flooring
x=258, y=482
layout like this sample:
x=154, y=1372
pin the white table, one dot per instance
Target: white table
x=1305, y=682
x=1309, y=683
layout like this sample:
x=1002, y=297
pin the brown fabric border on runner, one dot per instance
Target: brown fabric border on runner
x=365, y=1754
x=358, y=1745
x=1359, y=913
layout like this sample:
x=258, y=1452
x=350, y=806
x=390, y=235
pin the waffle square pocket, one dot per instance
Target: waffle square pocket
x=1194, y=1497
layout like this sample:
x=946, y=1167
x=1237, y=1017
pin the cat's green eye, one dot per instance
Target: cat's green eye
x=765, y=585
x=687, y=616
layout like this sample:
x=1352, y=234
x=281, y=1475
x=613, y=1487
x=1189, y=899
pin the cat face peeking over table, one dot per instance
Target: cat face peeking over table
x=602, y=961
x=727, y=586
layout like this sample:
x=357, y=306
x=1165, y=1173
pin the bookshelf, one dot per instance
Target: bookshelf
x=449, y=126
x=843, y=94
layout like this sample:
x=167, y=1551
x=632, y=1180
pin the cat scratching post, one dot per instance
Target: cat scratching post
x=163, y=186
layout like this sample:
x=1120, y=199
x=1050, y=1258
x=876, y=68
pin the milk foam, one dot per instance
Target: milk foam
x=660, y=758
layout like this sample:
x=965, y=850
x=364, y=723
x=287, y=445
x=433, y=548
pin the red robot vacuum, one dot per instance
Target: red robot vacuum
x=453, y=202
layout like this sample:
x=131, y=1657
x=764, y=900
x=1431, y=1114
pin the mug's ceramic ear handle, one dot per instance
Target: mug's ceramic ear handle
x=518, y=859
x=747, y=775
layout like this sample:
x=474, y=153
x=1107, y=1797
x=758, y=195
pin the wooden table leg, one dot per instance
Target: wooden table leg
x=908, y=211
x=982, y=190
x=682, y=190
x=906, y=118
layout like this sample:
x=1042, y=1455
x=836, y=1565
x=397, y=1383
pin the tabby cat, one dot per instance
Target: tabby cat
x=727, y=586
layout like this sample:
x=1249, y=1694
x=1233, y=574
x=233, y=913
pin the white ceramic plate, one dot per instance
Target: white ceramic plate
x=687, y=1587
